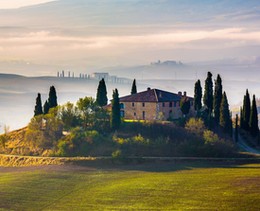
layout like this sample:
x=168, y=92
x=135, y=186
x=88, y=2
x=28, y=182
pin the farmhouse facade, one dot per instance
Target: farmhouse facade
x=153, y=104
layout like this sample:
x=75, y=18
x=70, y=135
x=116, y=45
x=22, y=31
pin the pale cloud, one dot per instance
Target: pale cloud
x=10, y=4
x=170, y=38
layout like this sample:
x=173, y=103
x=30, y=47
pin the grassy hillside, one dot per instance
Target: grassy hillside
x=161, y=186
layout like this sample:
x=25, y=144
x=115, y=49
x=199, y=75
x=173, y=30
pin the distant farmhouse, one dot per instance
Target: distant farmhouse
x=153, y=104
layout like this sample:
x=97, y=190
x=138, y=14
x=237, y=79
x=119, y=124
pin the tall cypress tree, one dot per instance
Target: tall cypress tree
x=46, y=107
x=241, y=118
x=38, y=106
x=254, y=130
x=115, y=118
x=208, y=93
x=236, y=129
x=197, y=96
x=217, y=98
x=246, y=111
x=134, y=89
x=224, y=120
x=102, y=93
x=52, y=101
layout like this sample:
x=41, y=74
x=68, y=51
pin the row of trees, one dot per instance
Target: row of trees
x=215, y=103
x=50, y=103
x=249, y=115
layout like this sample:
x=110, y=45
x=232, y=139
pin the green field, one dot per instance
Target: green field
x=161, y=186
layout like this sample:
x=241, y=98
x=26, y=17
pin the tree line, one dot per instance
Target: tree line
x=215, y=109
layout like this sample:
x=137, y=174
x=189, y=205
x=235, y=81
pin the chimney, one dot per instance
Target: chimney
x=180, y=93
x=185, y=94
x=148, y=89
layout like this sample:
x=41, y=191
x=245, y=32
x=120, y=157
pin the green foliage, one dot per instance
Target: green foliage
x=115, y=116
x=195, y=126
x=246, y=111
x=38, y=106
x=44, y=130
x=210, y=137
x=46, y=107
x=208, y=93
x=69, y=115
x=197, y=96
x=87, y=107
x=134, y=89
x=225, y=121
x=117, y=154
x=52, y=101
x=185, y=105
x=236, y=128
x=254, y=129
x=102, y=93
x=217, y=98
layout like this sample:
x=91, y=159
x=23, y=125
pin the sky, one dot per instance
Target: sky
x=11, y=4
x=89, y=34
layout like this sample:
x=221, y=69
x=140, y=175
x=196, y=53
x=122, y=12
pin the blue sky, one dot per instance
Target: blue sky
x=90, y=33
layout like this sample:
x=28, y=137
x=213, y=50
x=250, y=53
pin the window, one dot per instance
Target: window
x=143, y=104
x=122, y=113
x=143, y=115
x=134, y=114
x=163, y=104
x=170, y=104
x=133, y=104
x=122, y=106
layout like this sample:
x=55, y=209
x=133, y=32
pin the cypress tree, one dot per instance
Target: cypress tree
x=38, y=106
x=246, y=111
x=208, y=93
x=185, y=106
x=254, y=119
x=197, y=96
x=134, y=89
x=46, y=107
x=241, y=118
x=224, y=120
x=102, y=93
x=236, y=129
x=217, y=98
x=52, y=101
x=115, y=118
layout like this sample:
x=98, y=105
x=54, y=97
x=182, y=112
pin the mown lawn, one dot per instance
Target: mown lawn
x=161, y=186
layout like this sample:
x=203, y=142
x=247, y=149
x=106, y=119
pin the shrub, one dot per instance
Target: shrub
x=195, y=126
x=210, y=137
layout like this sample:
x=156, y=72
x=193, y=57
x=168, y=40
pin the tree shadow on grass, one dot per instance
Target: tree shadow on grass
x=162, y=166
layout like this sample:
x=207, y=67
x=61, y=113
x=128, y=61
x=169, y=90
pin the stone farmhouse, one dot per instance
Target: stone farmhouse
x=153, y=104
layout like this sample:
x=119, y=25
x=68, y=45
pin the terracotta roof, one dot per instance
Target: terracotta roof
x=152, y=95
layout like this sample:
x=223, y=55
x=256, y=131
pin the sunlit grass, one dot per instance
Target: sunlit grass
x=167, y=186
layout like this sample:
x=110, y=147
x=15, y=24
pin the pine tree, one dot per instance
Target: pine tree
x=208, y=93
x=102, y=93
x=38, y=106
x=46, y=107
x=246, y=111
x=134, y=89
x=224, y=120
x=217, y=98
x=236, y=129
x=52, y=101
x=254, y=130
x=115, y=118
x=197, y=96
